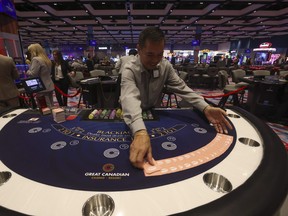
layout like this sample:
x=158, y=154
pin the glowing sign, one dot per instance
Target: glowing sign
x=265, y=45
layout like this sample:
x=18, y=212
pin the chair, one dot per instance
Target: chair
x=115, y=72
x=193, y=77
x=118, y=92
x=283, y=73
x=78, y=76
x=201, y=71
x=222, y=79
x=96, y=73
x=261, y=73
x=184, y=76
x=169, y=94
x=74, y=81
x=236, y=74
x=230, y=88
x=210, y=78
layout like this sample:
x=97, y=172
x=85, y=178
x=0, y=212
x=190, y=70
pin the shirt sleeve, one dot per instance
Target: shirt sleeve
x=130, y=101
x=34, y=68
x=180, y=88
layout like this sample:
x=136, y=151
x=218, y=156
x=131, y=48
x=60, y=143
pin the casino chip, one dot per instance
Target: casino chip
x=35, y=130
x=111, y=153
x=58, y=145
x=200, y=130
x=169, y=146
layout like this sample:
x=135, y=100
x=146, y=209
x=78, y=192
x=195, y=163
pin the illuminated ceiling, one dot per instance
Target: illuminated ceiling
x=71, y=22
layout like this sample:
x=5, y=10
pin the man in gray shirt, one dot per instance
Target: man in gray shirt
x=143, y=79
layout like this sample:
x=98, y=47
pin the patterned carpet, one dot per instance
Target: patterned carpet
x=280, y=130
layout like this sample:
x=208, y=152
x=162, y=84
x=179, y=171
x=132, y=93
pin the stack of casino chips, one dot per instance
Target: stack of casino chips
x=106, y=114
x=115, y=114
x=147, y=115
x=45, y=111
x=58, y=115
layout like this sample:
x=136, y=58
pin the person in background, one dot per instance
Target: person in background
x=236, y=61
x=124, y=59
x=60, y=71
x=143, y=79
x=228, y=61
x=89, y=63
x=95, y=59
x=173, y=59
x=41, y=67
x=118, y=66
x=8, y=90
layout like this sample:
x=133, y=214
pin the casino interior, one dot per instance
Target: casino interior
x=233, y=53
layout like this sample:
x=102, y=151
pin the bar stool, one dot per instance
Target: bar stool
x=169, y=98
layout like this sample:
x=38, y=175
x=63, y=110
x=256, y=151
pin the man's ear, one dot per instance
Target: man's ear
x=138, y=47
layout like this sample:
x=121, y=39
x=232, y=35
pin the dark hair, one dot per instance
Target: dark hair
x=59, y=55
x=133, y=52
x=151, y=33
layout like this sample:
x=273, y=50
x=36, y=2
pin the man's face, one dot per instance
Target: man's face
x=151, y=54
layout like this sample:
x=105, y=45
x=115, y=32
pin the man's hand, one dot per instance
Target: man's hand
x=216, y=117
x=141, y=150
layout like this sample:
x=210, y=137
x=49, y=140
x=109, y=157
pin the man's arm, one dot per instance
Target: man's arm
x=179, y=87
x=130, y=101
x=215, y=115
x=140, y=148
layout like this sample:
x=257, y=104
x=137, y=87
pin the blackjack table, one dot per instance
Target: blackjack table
x=80, y=165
